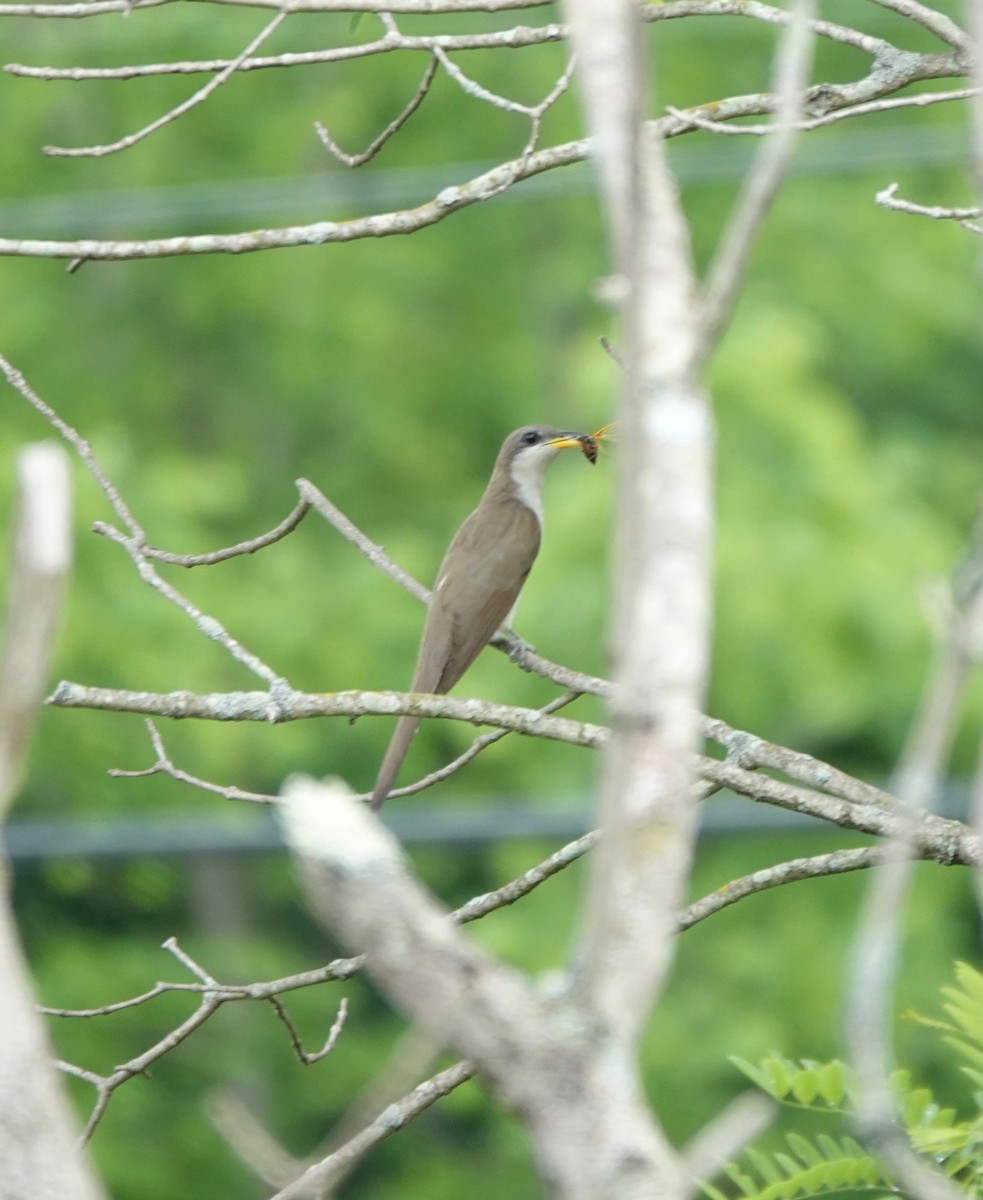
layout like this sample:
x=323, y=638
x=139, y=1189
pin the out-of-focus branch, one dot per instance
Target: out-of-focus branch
x=41, y=558
x=37, y=1128
x=250, y=1141
x=877, y=946
x=663, y=540
x=718, y=1143
x=529, y=1046
x=793, y=62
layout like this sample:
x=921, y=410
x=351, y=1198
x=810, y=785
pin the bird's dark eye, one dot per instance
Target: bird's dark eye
x=531, y=437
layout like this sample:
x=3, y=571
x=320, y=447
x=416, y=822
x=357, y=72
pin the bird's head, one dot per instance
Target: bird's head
x=527, y=452
x=541, y=443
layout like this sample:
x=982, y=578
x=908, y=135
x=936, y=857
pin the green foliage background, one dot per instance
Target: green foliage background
x=847, y=393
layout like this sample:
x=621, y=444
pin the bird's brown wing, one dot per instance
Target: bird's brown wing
x=466, y=609
x=469, y=606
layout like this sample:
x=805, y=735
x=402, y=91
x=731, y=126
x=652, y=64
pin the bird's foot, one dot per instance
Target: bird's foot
x=519, y=650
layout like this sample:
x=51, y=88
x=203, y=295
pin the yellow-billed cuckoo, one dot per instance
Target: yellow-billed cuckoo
x=483, y=571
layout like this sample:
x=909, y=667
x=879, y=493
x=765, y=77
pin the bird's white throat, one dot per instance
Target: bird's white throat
x=528, y=470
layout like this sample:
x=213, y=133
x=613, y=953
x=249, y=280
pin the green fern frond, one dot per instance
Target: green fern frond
x=825, y=1087
x=811, y=1169
x=821, y=1165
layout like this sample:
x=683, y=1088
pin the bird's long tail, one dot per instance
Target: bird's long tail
x=406, y=728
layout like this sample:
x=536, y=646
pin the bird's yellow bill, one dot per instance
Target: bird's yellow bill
x=567, y=442
x=585, y=442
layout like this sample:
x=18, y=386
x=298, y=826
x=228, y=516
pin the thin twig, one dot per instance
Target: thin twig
x=836, y=862
x=931, y=19
x=178, y=111
x=317, y=1179
x=305, y=1056
x=965, y=216
x=373, y=148
x=185, y=959
x=375, y=554
x=749, y=751
x=477, y=746
x=164, y=766
x=922, y=100
x=250, y=546
x=134, y=541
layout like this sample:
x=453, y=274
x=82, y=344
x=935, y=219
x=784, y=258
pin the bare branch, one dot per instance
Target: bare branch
x=922, y=100
x=316, y=1181
x=521, y=35
x=296, y=706
x=164, y=766
x=939, y=24
x=867, y=809
x=946, y=841
x=480, y=906
x=75, y=11
x=106, y=1085
x=101, y=7
x=81, y=447
x=747, y=750
x=343, y=968
x=905, y=69
x=375, y=554
x=198, y=98
x=477, y=746
x=818, y=866
x=135, y=540
x=287, y=525
x=357, y=160
x=516, y=37
x=965, y=216
x=450, y=200
x=305, y=1056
